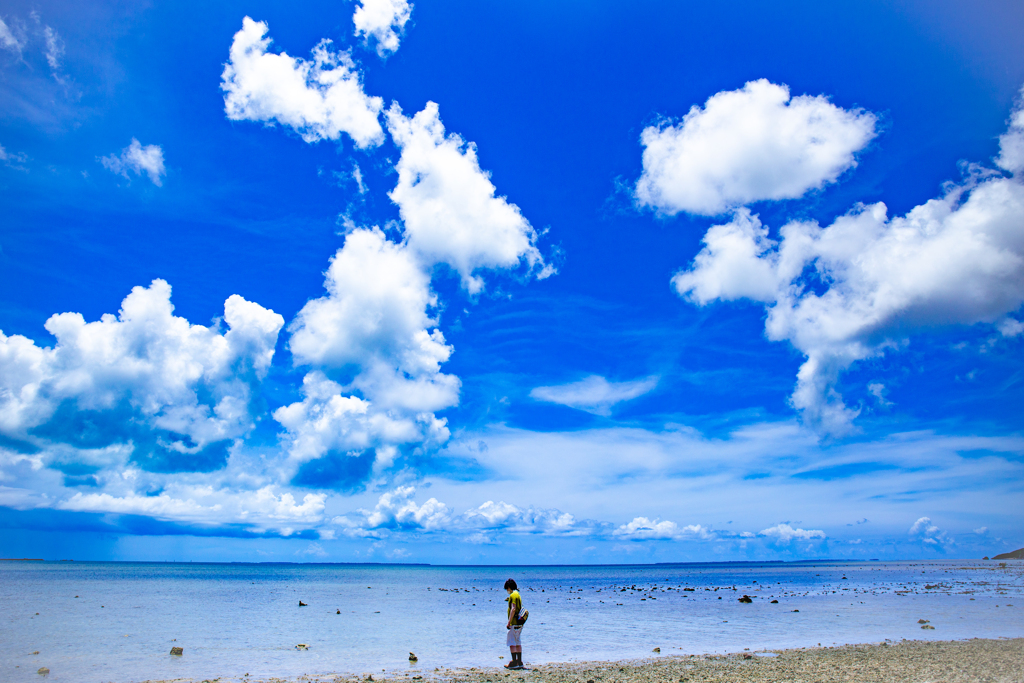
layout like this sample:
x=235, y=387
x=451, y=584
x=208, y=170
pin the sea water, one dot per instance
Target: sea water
x=96, y=622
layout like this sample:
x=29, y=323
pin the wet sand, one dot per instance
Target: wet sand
x=978, y=660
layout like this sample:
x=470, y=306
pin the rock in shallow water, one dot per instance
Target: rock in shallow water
x=177, y=651
x=43, y=671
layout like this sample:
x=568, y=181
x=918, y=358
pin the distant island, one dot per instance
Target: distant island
x=1015, y=555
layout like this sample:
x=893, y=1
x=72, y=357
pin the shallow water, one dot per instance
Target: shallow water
x=233, y=619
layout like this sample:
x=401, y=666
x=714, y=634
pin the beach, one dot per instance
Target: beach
x=976, y=660
x=124, y=622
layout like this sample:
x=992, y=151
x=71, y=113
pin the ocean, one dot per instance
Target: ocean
x=99, y=622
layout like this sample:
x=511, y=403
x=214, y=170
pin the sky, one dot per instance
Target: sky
x=509, y=283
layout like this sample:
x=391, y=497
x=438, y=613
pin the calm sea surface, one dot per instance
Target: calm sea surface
x=93, y=622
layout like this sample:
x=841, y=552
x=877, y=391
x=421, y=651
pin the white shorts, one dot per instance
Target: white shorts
x=513, y=639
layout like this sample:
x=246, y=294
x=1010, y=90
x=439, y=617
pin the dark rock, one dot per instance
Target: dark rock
x=922, y=621
x=177, y=651
x=796, y=610
x=43, y=671
x=302, y=604
x=748, y=656
x=746, y=599
x=338, y=612
x=413, y=657
x=928, y=627
x=775, y=602
x=657, y=649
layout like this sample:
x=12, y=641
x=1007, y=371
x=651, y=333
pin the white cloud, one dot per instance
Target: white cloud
x=1011, y=143
x=375, y=323
x=502, y=515
x=644, y=529
x=327, y=421
x=877, y=389
x=731, y=265
x=382, y=20
x=397, y=509
x=849, y=291
x=183, y=378
x=8, y=40
x=54, y=48
x=375, y=317
x=748, y=145
x=319, y=99
x=260, y=509
x=139, y=160
x=594, y=394
x=12, y=159
x=929, y=534
x=448, y=203
x=784, y=533
x=1010, y=327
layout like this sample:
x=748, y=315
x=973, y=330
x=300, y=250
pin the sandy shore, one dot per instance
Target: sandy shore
x=983, y=661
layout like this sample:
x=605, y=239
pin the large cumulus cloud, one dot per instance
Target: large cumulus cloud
x=145, y=378
x=448, y=204
x=863, y=284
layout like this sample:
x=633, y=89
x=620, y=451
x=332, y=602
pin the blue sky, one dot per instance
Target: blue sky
x=520, y=282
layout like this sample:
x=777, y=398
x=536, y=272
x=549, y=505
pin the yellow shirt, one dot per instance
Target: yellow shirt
x=515, y=606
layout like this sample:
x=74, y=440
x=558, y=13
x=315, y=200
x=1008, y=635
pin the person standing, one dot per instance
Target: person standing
x=514, y=624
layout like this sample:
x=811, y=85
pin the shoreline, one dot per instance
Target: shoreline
x=906, y=661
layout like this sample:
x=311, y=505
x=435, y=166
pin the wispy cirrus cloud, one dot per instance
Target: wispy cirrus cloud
x=594, y=394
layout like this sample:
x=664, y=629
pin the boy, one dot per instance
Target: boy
x=514, y=624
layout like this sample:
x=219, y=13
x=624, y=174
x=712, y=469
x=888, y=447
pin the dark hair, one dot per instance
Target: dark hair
x=511, y=583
